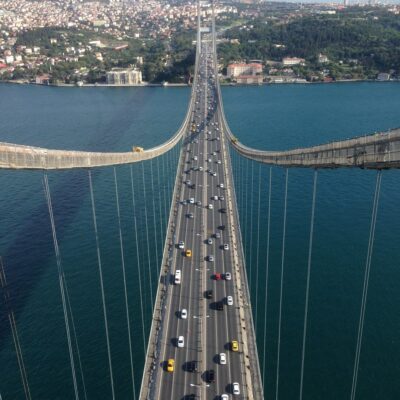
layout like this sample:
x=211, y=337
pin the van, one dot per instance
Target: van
x=177, y=277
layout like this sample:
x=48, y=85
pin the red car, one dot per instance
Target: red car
x=217, y=276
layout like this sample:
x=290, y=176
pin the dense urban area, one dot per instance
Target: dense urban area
x=137, y=43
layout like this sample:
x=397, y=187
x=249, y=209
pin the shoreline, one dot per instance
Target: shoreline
x=174, y=85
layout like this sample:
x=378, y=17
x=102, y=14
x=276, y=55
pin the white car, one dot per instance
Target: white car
x=229, y=300
x=181, y=244
x=226, y=246
x=221, y=185
x=228, y=276
x=224, y=396
x=219, y=162
x=210, y=207
x=235, y=388
x=191, y=200
x=181, y=342
x=211, y=258
x=215, y=197
x=222, y=358
x=200, y=168
x=209, y=241
x=195, y=158
x=184, y=312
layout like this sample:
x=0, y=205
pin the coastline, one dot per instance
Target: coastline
x=145, y=85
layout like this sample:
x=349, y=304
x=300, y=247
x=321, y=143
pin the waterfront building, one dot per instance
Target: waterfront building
x=124, y=76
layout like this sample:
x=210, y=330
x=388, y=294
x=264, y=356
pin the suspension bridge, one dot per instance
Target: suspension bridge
x=202, y=343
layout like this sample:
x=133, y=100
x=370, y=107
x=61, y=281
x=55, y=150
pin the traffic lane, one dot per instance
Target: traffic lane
x=177, y=289
x=186, y=301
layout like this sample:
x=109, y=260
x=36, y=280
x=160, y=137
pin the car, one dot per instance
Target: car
x=210, y=376
x=188, y=182
x=235, y=388
x=222, y=210
x=192, y=366
x=188, y=253
x=181, y=244
x=198, y=203
x=220, y=306
x=214, y=197
x=195, y=158
x=191, y=200
x=224, y=396
x=181, y=341
x=209, y=294
x=184, y=313
x=177, y=279
x=193, y=186
x=214, y=153
x=218, y=161
x=221, y=227
x=170, y=365
x=222, y=198
x=221, y=185
x=226, y=246
x=211, y=258
x=228, y=276
x=217, y=235
x=190, y=215
x=217, y=276
x=209, y=160
x=210, y=207
x=214, y=174
x=209, y=241
x=234, y=345
x=190, y=397
x=222, y=358
x=229, y=300
x=200, y=168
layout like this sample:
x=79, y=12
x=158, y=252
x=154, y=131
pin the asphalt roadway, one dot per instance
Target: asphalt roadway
x=207, y=331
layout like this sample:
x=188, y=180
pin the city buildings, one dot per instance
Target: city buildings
x=292, y=61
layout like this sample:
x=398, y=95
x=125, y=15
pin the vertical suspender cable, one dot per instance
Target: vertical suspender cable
x=165, y=194
x=310, y=248
x=160, y=205
x=251, y=226
x=258, y=241
x=246, y=209
x=281, y=285
x=60, y=280
x=101, y=282
x=128, y=321
x=14, y=332
x=138, y=260
x=147, y=240
x=267, y=273
x=154, y=212
x=75, y=336
x=366, y=283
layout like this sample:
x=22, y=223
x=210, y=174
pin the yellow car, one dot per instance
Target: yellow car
x=188, y=253
x=234, y=345
x=170, y=365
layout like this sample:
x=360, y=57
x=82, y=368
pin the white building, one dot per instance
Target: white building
x=292, y=61
x=237, y=69
x=121, y=76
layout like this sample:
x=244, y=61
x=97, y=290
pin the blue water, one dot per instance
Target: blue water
x=270, y=117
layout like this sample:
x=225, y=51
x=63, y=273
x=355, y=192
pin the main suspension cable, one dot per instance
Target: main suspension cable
x=138, y=260
x=128, y=321
x=103, y=297
x=310, y=248
x=281, y=285
x=366, y=283
x=60, y=280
